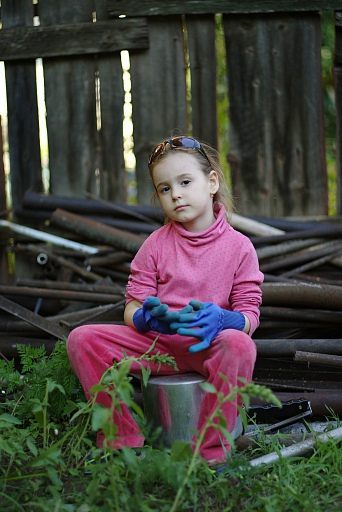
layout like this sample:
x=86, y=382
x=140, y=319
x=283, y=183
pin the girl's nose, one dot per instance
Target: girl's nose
x=176, y=193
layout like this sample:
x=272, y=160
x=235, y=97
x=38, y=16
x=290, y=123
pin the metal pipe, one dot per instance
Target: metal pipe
x=302, y=295
x=311, y=254
x=270, y=251
x=322, y=231
x=312, y=264
x=98, y=298
x=63, y=262
x=312, y=357
x=299, y=449
x=314, y=315
x=97, y=231
x=32, y=318
x=36, y=201
x=288, y=347
x=47, y=237
x=112, y=258
x=254, y=227
x=76, y=287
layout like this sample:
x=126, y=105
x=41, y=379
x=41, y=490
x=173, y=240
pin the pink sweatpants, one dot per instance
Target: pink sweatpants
x=93, y=348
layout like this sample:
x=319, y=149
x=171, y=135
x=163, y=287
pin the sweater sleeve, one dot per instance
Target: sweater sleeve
x=142, y=281
x=246, y=295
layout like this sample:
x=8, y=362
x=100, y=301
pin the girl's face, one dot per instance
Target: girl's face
x=184, y=191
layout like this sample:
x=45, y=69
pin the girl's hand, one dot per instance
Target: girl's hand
x=205, y=322
x=155, y=316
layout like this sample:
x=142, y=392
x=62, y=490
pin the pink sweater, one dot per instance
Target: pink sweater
x=219, y=265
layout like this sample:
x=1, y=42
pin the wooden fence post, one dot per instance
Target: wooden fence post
x=23, y=126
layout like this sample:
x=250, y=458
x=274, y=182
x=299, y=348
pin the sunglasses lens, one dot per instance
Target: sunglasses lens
x=185, y=142
x=177, y=142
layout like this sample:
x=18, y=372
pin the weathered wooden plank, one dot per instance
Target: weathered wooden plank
x=338, y=103
x=158, y=94
x=338, y=39
x=276, y=116
x=73, y=39
x=4, y=241
x=202, y=56
x=110, y=133
x=158, y=8
x=23, y=126
x=70, y=106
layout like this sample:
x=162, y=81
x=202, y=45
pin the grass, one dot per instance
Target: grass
x=45, y=433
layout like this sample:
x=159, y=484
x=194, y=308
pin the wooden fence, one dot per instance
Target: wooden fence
x=273, y=80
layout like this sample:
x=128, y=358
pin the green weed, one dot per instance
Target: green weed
x=47, y=428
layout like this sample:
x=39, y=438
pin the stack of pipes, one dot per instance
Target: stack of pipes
x=79, y=264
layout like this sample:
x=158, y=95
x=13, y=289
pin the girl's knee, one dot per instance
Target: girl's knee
x=238, y=342
x=77, y=338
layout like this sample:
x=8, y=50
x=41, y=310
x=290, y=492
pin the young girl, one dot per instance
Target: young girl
x=196, y=281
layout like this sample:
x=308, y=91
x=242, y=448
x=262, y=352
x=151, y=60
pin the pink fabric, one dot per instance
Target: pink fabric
x=219, y=265
x=93, y=348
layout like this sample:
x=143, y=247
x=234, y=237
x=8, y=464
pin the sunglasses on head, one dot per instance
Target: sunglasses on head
x=176, y=143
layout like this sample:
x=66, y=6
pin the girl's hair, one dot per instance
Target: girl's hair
x=223, y=195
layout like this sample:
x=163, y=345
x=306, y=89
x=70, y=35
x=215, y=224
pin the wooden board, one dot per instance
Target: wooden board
x=110, y=158
x=277, y=150
x=73, y=39
x=158, y=94
x=158, y=8
x=23, y=127
x=70, y=107
x=202, y=57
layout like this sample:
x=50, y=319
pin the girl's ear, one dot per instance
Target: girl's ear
x=213, y=182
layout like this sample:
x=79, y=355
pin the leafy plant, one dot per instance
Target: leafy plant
x=42, y=463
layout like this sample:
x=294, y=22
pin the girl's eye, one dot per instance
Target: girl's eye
x=164, y=189
x=185, y=182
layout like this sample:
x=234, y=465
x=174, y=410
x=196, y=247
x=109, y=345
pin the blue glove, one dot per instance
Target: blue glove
x=154, y=316
x=205, y=322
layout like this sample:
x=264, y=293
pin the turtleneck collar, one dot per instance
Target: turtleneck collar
x=214, y=231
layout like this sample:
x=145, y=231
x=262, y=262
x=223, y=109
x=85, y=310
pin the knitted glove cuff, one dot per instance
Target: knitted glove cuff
x=140, y=322
x=233, y=320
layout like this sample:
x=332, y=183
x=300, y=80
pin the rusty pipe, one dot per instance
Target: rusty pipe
x=313, y=315
x=97, y=231
x=288, y=347
x=302, y=295
x=76, y=287
x=317, y=358
x=98, y=298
